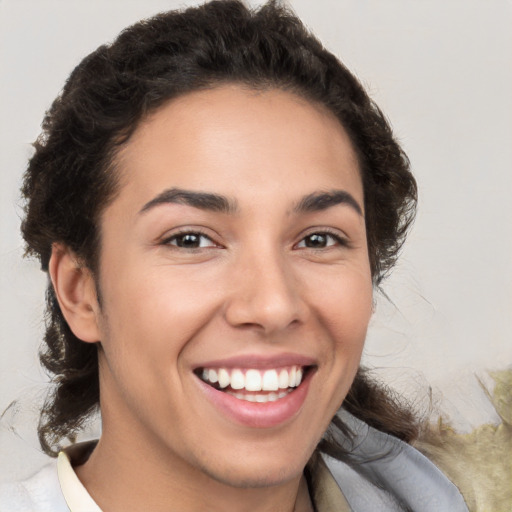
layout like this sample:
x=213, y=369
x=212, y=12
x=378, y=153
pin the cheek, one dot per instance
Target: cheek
x=155, y=312
x=345, y=305
x=345, y=308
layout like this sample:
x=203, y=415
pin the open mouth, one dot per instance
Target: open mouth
x=255, y=385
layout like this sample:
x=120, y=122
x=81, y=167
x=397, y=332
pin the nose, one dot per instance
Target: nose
x=264, y=294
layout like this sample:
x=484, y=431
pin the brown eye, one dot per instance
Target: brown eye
x=316, y=241
x=190, y=241
x=319, y=241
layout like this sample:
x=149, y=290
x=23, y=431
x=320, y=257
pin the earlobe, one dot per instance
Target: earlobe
x=76, y=292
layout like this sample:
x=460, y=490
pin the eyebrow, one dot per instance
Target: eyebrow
x=314, y=202
x=202, y=200
x=318, y=201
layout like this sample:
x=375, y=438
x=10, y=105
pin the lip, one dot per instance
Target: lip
x=259, y=362
x=258, y=415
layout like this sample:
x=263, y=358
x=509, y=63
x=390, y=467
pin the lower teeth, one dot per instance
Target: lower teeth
x=268, y=397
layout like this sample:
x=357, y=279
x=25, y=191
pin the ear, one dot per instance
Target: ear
x=76, y=292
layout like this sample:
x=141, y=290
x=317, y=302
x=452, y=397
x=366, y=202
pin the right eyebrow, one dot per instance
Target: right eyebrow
x=201, y=200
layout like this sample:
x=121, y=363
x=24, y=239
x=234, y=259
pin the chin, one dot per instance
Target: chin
x=257, y=467
x=249, y=476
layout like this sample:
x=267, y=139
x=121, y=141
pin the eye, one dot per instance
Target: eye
x=190, y=240
x=320, y=240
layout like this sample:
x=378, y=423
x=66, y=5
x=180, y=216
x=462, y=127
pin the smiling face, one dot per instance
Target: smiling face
x=235, y=285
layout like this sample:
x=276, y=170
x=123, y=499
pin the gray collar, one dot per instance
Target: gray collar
x=388, y=475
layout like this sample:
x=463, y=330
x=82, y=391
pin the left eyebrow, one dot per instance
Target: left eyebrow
x=200, y=200
x=318, y=201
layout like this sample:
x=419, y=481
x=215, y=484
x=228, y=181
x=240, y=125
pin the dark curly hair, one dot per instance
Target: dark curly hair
x=72, y=176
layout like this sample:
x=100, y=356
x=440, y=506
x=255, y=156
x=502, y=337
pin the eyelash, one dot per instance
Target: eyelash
x=338, y=240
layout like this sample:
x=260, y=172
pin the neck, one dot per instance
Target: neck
x=132, y=476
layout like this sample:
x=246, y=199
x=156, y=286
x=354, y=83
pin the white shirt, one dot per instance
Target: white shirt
x=55, y=488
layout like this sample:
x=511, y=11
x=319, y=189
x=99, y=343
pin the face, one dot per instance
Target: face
x=235, y=284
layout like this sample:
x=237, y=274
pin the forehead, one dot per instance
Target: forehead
x=237, y=141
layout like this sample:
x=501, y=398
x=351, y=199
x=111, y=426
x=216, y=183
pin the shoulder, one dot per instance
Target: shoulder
x=384, y=473
x=39, y=493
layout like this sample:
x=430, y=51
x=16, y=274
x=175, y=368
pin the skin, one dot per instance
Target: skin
x=254, y=288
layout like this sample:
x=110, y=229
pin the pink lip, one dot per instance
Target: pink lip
x=259, y=362
x=258, y=415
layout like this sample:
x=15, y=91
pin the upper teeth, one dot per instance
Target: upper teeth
x=253, y=379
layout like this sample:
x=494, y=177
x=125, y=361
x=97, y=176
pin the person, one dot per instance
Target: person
x=215, y=197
